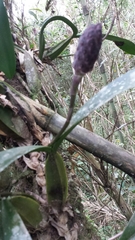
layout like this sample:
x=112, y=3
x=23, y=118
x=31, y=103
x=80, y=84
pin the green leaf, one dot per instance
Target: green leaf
x=28, y=209
x=33, y=14
x=7, y=54
x=9, y=156
x=6, y=123
x=36, y=9
x=119, y=85
x=56, y=179
x=124, y=44
x=56, y=50
x=129, y=232
x=11, y=225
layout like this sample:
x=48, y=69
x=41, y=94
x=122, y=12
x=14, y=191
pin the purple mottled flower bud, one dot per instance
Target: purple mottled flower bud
x=88, y=49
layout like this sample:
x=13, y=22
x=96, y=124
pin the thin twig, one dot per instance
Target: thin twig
x=110, y=29
x=116, y=236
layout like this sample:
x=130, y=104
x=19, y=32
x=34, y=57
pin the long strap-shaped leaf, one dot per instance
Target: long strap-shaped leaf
x=9, y=156
x=129, y=232
x=7, y=54
x=119, y=85
x=57, y=49
x=124, y=44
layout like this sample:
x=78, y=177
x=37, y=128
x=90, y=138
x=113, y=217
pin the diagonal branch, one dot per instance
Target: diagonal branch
x=85, y=139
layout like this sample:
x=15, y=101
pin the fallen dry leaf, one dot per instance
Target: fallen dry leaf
x=62, y=229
